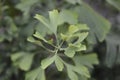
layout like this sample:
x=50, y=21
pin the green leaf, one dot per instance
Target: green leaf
x=48, y=61
x=17, y=55
x=54, y=20
x=70, y=51
x=31, y=39
x=79, y=31
x=78, y=47
x=36, y=74
x=71, y=74
x=82, y=70
x=72, y=48
x=72, y=29
x=42, y=29
x=99, y=26
x=44, y=21
x=68, y=16
x=23, y=60
x=87, y=60
x=59, y=63
x=83, y=27
x=26, y=62
x=115, y=3
x=38, y=35
x=82, y=36
x=63, y=37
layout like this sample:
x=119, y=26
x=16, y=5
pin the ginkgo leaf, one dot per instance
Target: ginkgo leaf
x=72, y=29
x=82, y=70
x=81, y=48
x=87, y=60
x=36, y=74
x=26, y=62
x=47, y=61
x=79, y=31
x=99, y=26
x=23, y=60
x=17, y=55
x=78, y=46
x=68, y=16
x=71, y=74
x=63, y=37
x=70, y=52
x=82, y=36
x=59, y=63
x=54, y=19
x=43, y=20
x=31, y=39
x=83, y=27
x=38, y=35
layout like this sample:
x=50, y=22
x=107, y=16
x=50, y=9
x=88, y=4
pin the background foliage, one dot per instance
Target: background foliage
x=20, y=59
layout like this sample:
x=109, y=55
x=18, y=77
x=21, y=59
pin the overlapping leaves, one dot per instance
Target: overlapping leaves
x=74, y=37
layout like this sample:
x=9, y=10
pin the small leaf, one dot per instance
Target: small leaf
x=73, y=29
x=70, y=52
x=17, y=55
x=23, y=60
x=83, y=27
x=43, y=20
x=82, y=36
x=68, y=16
x=87, y=60
x=38, y=35
x=46, y=62
x=82, y=70
x=26, y=62
x=36, y=74
x=63, y=37
x=54, y=18
x=71, y=74
x=81, y=48
x=59, y=63
x=31, y=39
